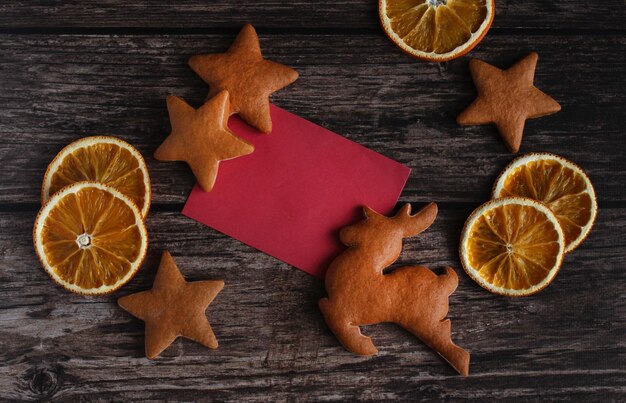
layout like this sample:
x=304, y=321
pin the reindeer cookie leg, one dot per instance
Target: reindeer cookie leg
x=436, y=333
x=438, y=338
x=455, y=355
x=348, y=334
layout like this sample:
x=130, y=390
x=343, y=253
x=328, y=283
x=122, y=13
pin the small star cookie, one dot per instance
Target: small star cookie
x=507, y=98
x=201, y=138
x=247, y=76
x=173, y=307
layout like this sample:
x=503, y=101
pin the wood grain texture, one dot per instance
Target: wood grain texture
x=283, y=15
x=273, y=340
x=69, y=69
x=59, y=88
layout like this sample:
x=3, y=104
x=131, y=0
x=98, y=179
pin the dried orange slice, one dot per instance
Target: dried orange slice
x=90, y=238
x=436, y=30
x=558, y=183
x=107, y=160
x=512, y=246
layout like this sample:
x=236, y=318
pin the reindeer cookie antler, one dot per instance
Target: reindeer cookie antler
x=412, y=296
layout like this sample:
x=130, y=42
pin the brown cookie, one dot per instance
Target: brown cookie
x=201, y=138
x=413, y=296
x=507, y=98
x=173, y=307
x=247, y=76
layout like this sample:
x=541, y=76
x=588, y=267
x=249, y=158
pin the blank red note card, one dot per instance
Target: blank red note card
x=291, y=196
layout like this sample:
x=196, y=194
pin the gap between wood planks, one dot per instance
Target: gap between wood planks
x=282, y=31
x=178, y=207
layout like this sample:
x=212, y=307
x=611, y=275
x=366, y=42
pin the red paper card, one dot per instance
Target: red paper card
x=291, y=196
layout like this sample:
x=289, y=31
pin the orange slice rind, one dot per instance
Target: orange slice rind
x=90, y=238
x=512, y=246
x=558, y=183
x=436, y=30
x=103, y=159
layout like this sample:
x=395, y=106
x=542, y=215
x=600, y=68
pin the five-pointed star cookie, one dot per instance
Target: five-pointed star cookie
x=247, y=76
x=201, y=138
x=507, y=98
x=173, y=307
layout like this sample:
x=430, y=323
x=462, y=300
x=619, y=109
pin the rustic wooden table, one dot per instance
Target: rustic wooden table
x=69, y=69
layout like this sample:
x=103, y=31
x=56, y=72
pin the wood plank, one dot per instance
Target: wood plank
x=564, y=343
x=542, y=15
x=59, y=88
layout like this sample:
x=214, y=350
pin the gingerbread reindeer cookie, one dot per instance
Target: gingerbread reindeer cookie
x=413, y=296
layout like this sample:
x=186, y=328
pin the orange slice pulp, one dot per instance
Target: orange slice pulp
x=107, y=160
x=512, y=246
x=90, y=238
x=558, y=183
x=436, y=30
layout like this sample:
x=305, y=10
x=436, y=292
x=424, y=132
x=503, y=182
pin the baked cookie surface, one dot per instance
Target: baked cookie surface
x=247, y=76
x=506, y=98
x=173, y=308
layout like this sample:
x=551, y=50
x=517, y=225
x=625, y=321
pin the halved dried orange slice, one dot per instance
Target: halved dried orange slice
x=103, y=159
x=436, y=30
x=512, y=246
x=558, y=183
x=90, y=238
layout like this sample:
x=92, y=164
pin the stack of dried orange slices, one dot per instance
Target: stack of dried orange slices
x=90, y=233
x=543, y=206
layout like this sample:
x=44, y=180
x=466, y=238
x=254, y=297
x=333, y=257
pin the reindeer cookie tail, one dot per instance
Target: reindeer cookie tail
x=349, y=335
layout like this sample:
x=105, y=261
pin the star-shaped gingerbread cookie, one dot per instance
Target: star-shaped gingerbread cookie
x=201, y=138
x=173, y=307
x=507, y=98
x=247, y=76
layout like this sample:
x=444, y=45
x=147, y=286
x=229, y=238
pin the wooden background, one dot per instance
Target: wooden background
x=69, y=69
